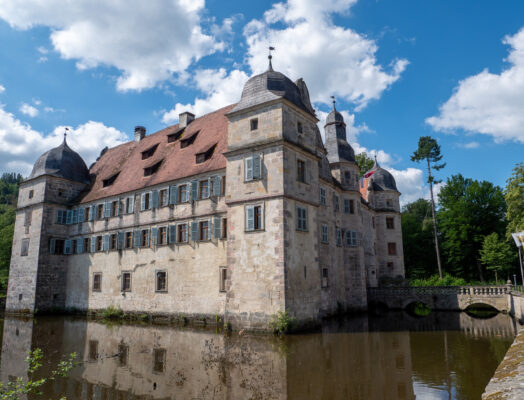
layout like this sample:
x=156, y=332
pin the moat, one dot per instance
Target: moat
x=447, y=355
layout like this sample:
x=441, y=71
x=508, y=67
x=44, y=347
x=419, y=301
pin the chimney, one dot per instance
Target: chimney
x=140, y=133
x=185, y=118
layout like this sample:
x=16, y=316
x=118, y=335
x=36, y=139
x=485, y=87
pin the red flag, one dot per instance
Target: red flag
x=369, y=174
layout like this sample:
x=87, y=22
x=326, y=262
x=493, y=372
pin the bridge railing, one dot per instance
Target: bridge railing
x=432, y=290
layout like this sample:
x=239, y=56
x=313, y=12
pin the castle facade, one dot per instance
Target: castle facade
x=240, y=214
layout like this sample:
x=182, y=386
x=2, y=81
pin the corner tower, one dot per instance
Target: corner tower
x=37, y=274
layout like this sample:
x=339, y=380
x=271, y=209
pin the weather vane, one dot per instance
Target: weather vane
x=271, y=48
x=334, y=101
x=65, y=133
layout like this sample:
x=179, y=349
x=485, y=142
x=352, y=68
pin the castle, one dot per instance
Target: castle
x=237, y=214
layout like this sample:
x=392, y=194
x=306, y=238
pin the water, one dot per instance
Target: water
x=392, y=356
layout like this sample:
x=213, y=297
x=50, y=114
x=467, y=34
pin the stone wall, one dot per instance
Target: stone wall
x=516, y=305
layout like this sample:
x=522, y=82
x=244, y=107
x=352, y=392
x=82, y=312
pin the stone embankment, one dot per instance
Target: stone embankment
x=508, y=381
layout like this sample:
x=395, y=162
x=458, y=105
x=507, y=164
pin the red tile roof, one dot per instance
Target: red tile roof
x=177, y=163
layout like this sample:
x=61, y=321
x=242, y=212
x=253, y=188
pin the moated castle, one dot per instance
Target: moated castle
x=239, y=213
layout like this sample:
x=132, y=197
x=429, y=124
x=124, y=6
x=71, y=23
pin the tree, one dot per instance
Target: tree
x=429, y=151
x=417, y=237
x=469, y=210
x=364, y=163
x=496, y=254
x=514, y=196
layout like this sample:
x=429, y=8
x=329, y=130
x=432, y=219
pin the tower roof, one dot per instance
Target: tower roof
x=62, y=162
x=337, y=146
x=380, y=179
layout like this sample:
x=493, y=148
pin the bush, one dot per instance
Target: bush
x=112, y=312
x=447, y=280
x=282, y=322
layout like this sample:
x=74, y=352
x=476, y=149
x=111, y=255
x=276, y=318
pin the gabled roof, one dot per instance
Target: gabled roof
x=177, y=163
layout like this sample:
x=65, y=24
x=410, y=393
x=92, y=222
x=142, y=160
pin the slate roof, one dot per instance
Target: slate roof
x=177, y=162
x=62, y=162
x=337, y=146
x=380, y=180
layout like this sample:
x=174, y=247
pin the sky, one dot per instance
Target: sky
x=399, y=69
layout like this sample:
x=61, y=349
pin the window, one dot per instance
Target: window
x=123, y=354
x=301, y=219
x=188, y=141
x=183, y=193
x=146, y=201
x=153, y=169
x=162, y=235
x=161, y=281
x=87, y=213
x=86, y=244
x=339, y=236
x=206, y=155
x=28, y=217
x=351, y=238
x=335, y=203
x=389, y=203
x=204, y=189
x=114, y=208
x=299, y=127
x=100, y=211
x=31, y=194
x=349, y=206
x=347, y=177
x=60, y=192
x=324, y=277
x=390, y=223
x=126, y=282
x=224, y=228
x=149, y=152
x=130, y=204
x=390, y=265
x=112, y=241
x=253, y=167
x=164, y=198
x=392, y=249
x=323, y=196
x=222, y=279
x=182, y=233
x=144, y=237
x=253, y=124
x=99, y=243
x=61, y=217
x=97, y=282
x=109, y=181
x=324, y=234
x=204, y=230
x=223, y=186
x=159, y=361
x=301, y=171
x=129, y=240
x=254, y=218
x=25, y=248
x=173, y=137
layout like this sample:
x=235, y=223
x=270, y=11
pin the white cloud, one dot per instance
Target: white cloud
x=2, y=89
x=332, y=60
x=487, y=103
x=410, y=182
x=20, y=145
x=29, y=110
x=42, y=50
x=220, y=88
x=147, y=42
x=470, y=145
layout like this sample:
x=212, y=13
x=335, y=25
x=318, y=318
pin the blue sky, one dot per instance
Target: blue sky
x=399, y=69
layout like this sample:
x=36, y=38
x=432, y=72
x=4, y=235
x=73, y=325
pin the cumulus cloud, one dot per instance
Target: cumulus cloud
x=332, y=60
x=488, y=103
x=20, y=145
x=469, y=145
x=147, y=42
x=29, y=110
x=2, y=89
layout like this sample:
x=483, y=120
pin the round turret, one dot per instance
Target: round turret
x=62, y=162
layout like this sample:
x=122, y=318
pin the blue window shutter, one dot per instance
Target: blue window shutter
x=81, y=215
x=154, y=236
x=248, y=169
x=93, y=244
x=172, y=234
x=91, y=213
x=155, y=198
x=80, y=245
x=194, y=231
x=217, y=182
x=107, y=209
x=257, y=170
x=194, y=190
x=69, y=217
x=137, y=238
x=143, y=202
x=68, y=246
x=52, y=245
x=173, y=194
x=208, y=188
x=105, y=243
x=250, y=218
x=217, y=227
x=121, y=237
x=74, y=219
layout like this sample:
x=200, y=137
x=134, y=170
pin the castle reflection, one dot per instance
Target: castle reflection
x=393, y=356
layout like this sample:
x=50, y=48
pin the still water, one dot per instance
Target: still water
x=392, y=356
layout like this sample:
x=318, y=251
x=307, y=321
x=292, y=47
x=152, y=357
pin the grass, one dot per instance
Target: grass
x=282, y=322
x=112, y=312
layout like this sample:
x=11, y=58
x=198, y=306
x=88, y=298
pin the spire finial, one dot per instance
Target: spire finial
x=334, y=101
x=271, y=48
x=376, y=162
x=65, y=134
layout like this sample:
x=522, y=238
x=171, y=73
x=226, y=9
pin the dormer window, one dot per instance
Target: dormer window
x=109, y=181
x=299, y=127
x=206, y=155
x=173, y=137
x=254, y=124
x=149, y=152
x=188, y=141
x=153, y=169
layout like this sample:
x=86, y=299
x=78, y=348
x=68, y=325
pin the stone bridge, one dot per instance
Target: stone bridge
x=441, y=297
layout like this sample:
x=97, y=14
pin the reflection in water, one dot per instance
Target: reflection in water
x=393, y=356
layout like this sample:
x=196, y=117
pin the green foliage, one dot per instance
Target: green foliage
x=20, y=388
x=418, y=242
x=496, y=254
x=435, y=280
x=514, y=196
x=112, y=312
x=420, y=309
x=428, y=150
x=469, y=210
x=364, y=163
x=282, y=322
